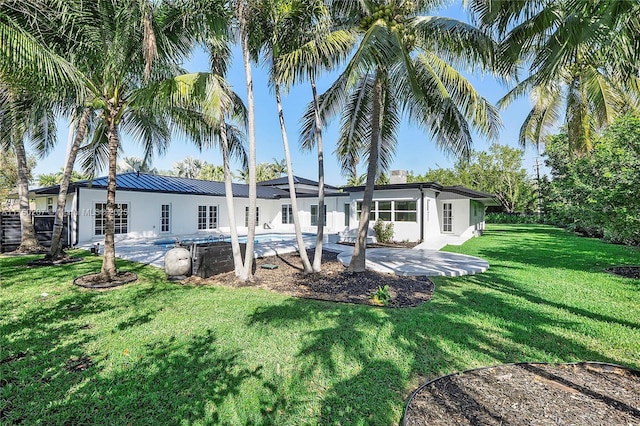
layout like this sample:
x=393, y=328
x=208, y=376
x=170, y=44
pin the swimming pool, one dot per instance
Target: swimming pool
x=259, y=238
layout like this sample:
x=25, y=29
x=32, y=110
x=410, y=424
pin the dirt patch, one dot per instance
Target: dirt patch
x=530, y=394
x=95, y=281
x=333, y=283
x=625, y=271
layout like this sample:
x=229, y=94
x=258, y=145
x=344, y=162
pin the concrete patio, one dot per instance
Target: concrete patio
x=403, y=262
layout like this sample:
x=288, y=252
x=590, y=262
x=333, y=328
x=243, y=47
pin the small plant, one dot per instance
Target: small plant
x=381, y=297
x=384, y=231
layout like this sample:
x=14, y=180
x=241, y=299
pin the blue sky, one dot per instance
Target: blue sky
x=415, y=150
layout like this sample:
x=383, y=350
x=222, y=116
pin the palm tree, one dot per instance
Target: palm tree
x=403, y=65
x=243, y=13
x=25, y=117
x=305, y=47
x=189, y=167
x=583, y=62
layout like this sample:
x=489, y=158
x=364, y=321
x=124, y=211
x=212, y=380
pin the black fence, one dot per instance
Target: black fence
x=11, y=230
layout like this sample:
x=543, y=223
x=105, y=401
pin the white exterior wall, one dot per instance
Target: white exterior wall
x=460, y=216
x=409, y=231
x=335, y=214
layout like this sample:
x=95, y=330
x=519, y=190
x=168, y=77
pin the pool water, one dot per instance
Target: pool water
x=259, y=238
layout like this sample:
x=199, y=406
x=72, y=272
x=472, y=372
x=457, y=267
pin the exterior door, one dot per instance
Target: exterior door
x=447, y=217
x=165, y=218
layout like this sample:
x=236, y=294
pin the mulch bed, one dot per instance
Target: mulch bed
x=530, y=394
x=334, y=283
x=625, y=271
x=48, y=262
x=95, y=281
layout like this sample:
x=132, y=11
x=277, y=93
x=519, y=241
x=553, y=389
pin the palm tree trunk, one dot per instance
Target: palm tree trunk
x=228, y=192
x=292, y=190
x=251, y=231
x=358, y=259
x=28, y=242
x=55, y=251
x=109, y=271
x=317, y=257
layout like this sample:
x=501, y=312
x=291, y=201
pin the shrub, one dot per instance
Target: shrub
x=384, y=231
x=513, y=218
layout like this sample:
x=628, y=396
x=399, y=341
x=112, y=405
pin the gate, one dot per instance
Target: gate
x=11, y=230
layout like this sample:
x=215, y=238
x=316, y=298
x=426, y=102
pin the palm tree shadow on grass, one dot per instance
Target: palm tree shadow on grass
x=440, y=337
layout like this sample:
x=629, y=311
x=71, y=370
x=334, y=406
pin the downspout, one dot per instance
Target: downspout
x=421, y=214
x=77, y=216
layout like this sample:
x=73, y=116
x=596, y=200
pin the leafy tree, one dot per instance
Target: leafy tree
x=51, y=179
x=264, y=172
x=403, y=64
x=211, y=172
x=134, y=164
x=598, y=194
x=499, y=172
x=189, y=167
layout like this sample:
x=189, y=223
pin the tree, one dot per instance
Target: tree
x=400, y=66
x=51, y=179
x=24, y=116
x=264, y=172
x=189, y=167
x=134, y=164
x=9, y=174
x=211, y=172
x=598, y=193
x=582, y=57
x=499, y=172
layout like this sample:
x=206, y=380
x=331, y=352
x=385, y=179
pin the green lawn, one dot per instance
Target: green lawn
x=164, y=353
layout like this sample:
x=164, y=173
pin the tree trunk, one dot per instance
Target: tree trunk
x=358, y=259
x=292, y=190
x=228, y=192
x=109, y=271
x=251, y=231
x=317, y=257
x=28, y=242
x=55, y=251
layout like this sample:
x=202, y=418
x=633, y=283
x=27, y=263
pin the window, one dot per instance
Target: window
x=121, y=215
x=207, y=217
x=246, y=216
x=314, y=215
x=347, y=213
x=50, y=204
x=287, y=214
x=405, y=211
x=392, y=210
x=447, y=217
x=165, y=217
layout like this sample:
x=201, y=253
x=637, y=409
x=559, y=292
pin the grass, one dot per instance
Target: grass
x=163, y=353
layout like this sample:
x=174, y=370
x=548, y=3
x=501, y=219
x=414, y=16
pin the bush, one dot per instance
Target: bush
x=384, y=231
x=513, y=218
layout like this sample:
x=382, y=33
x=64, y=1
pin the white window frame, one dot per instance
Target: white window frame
x=287, y=214
x=447, y=219
x=209, y=220
x=100, y=213
x=390, y=213
x=246, y=216
x=316, y=215
x=50, y=204
x=165, y=219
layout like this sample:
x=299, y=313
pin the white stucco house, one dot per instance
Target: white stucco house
x=152, y=206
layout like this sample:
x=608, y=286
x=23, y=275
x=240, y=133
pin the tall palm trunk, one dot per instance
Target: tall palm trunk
x=55, y=251
x=228, y=192
x=292, y=190
x=251, y=231
x=109, y=271
x=28, y=242
x=358, y=259
x=317, y=257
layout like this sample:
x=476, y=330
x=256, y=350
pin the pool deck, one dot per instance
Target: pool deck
x=404, y=262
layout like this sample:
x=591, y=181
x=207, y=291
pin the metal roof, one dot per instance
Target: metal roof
x=145, y=182
x=296, y=179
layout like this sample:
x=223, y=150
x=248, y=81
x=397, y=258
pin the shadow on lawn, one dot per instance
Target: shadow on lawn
x=439, y=337
x=548, y=247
